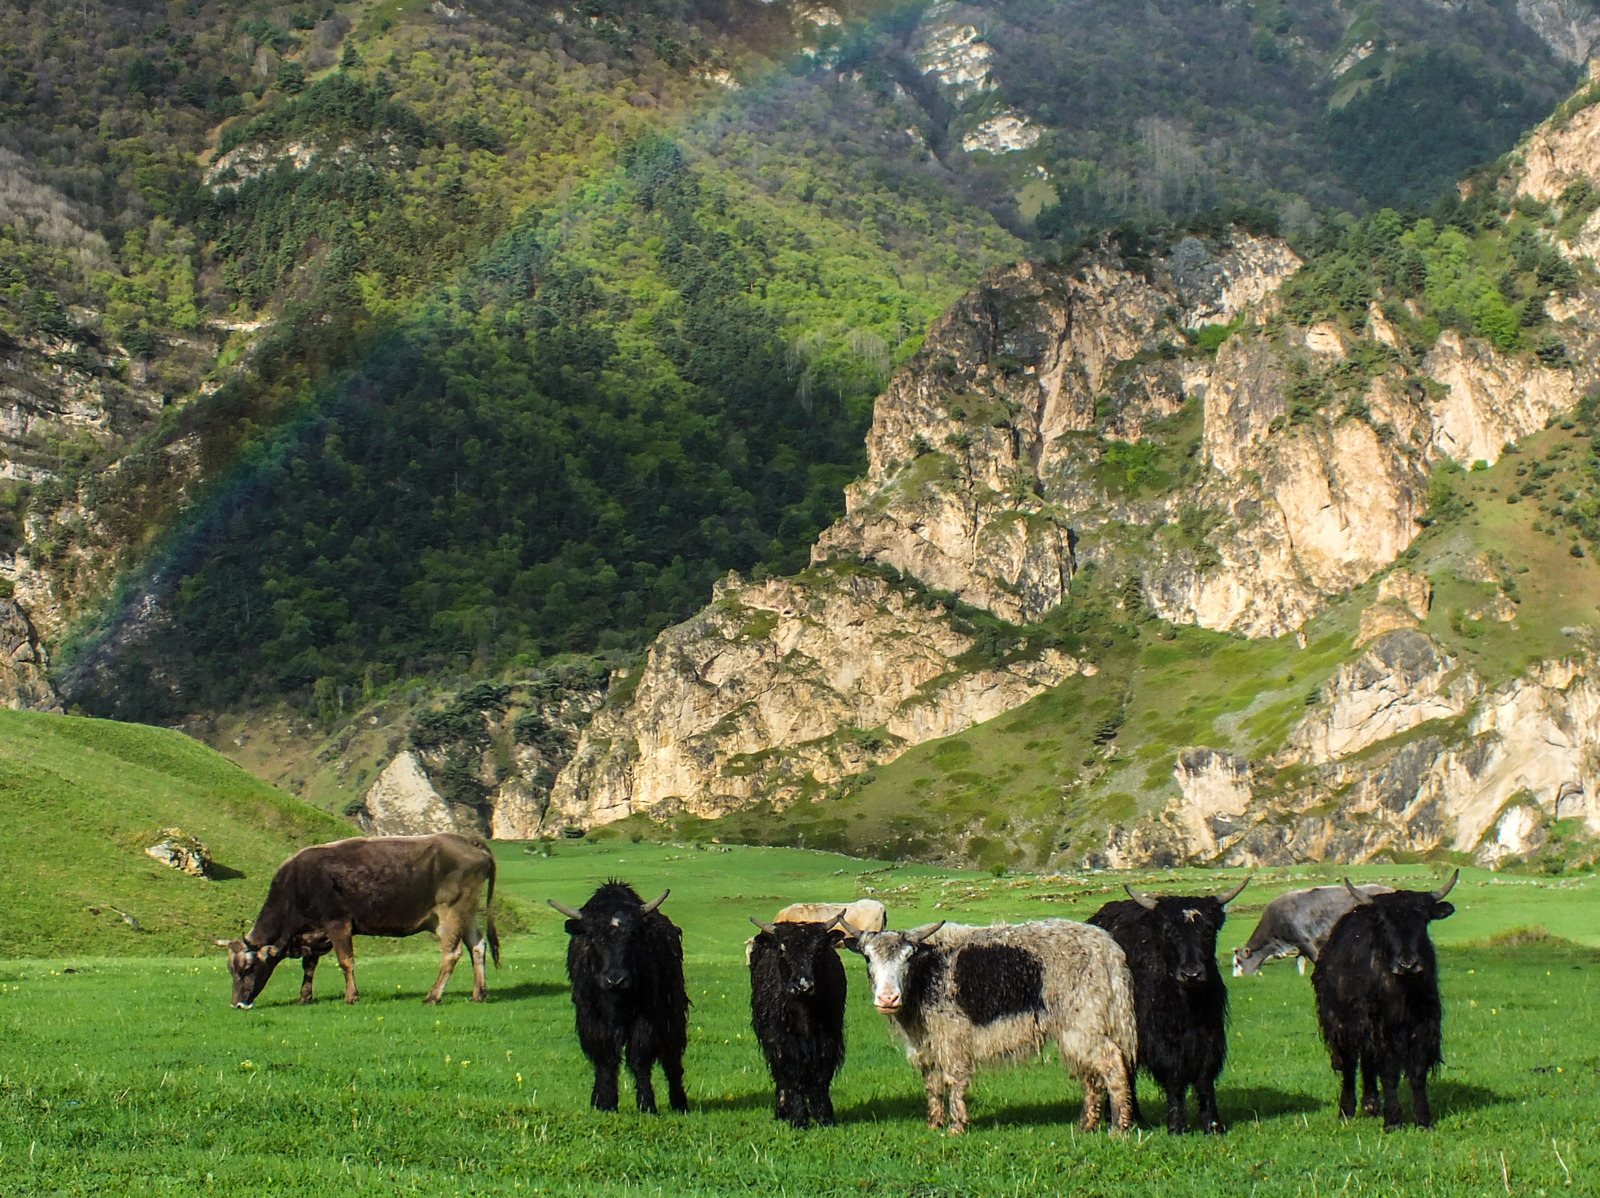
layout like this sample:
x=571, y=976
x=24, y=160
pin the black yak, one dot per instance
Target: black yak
x=797, y=993
x=959, y=996
x=1179, y=999
x=625, y=961
x=1377, y=988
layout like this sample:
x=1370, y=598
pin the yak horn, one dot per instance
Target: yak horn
x=834, y=922
x=918, y=935
x=1145, y=901
x=849, y=929
x=567, y=911
x=1356, y=894
x=1445, y=889
x=1225, y=899
x=771, y=929
x=649, y=907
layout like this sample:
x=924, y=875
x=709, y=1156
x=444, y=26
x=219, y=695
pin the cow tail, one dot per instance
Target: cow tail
x=488, y=917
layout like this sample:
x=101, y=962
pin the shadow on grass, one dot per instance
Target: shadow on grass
x=1447, y=1097
x=759, y=1100
x=224, y=873
x=1256, y=1103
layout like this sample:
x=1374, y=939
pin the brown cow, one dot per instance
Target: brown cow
x=381, y=886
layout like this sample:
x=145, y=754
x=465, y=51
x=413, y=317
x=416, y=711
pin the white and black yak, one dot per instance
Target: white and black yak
x=1179, y=998
x=625, y=961
x=1377, y=988
x=797, y=996
x=961, y=996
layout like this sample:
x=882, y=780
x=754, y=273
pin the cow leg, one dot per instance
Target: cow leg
x=1369, y=1088
x=1205, y=1093
x=1390, y=1080
x=640, y=1063
x=345, y=953
x=933, y=1085
x=308, y=965
x=476, y=946
x=1420, y=1114
x=449, y=954
x=1347, y=1092
x=958, y=1102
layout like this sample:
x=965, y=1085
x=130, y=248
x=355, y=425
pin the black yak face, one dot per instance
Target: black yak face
x=1402, y=920
x=250, y=968
x=1187, y=930
x=613, y=923
x=800, y=950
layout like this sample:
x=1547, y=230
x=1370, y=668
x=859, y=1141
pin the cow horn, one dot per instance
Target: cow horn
x=1144, y=900
x=649, y=907
x=1356, y=894
x=918, y=935
x=1225, y=899
x=1445, y=889
x=567, y=911
x=223, y=943
x=771, y=929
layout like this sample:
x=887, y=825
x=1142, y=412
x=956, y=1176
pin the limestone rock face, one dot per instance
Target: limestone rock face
x=1490, y=399
x=23, y=681
x=403, y=802
x=781, y=688
x=1553, y=157
x=1570, y=29
x=1386, y=780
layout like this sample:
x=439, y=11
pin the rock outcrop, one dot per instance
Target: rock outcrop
x=403, y=802
x=182, y=852
x=781, y=689
x=24, y=684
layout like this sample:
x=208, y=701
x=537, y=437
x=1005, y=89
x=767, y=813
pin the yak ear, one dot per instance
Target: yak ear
x=771, y=929
x=1144, y=900
x=852, y=934
x=1442, y=911
x=651, y=906
x=1356, y=894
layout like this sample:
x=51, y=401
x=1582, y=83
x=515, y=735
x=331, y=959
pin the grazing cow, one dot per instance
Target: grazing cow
x=1297, y=923
x=867, y=914
x=625, y=960
x=959, y=996
x=797, y=993
x=1377, y=988
x=1179, y=999
x=379, y=886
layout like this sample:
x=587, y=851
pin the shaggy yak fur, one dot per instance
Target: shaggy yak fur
x=1377, y=988
x=1297, y=924
x=1179, y=997
x=625, y=961
x=960, y=996
x=380, y=886
x=797, y=993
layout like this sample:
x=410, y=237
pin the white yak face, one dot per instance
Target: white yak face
x=889, y=957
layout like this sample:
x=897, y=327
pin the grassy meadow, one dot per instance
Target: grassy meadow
x=132, y=1075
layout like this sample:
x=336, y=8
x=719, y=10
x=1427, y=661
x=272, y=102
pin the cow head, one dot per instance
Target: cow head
x=800, y=948
x=1186, y=929
x=889, y=956
x=612, y=922
x=1402, y=918
x=250, y=966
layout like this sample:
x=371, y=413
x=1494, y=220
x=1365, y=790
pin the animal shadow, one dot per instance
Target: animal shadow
x=525, y=990
x=1251, y=1103
x=757, y=1100
x=1448, y=1097
x=884, y=1110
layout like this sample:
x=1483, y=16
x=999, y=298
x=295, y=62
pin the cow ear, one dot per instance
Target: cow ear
x=269, y=951
x=1443, y=910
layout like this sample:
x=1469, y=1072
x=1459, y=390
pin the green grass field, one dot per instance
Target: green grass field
x=133, y=1076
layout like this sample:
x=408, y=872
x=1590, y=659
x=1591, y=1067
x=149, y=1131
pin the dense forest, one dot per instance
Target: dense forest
x=498, y=334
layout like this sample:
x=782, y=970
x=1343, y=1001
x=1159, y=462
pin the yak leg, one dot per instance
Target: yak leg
x=1418, y=1080
x=1390, y=1080
x=958, y=1100
x=1118, y=1077
x=1177, y=1108
x=640, y=1063
x=822, y=1105
x=1134, y=1113
x=1205, y=1093
x=449, y=954
x=672, y=1066
x=1347, y=1090
x=308, y=965
x=1369, y=1087
x=344, y=952
x=933, y=1085
x=606, y=1059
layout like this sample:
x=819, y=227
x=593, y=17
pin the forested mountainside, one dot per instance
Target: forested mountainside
x=351, y=351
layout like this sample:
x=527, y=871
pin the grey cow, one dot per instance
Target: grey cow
x=1297, y=923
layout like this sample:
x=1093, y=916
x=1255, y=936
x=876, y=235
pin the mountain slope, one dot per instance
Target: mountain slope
x=84, y=798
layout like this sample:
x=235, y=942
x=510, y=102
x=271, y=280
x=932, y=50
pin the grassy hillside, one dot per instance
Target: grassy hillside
x=493, y=1099
x=81, y=799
